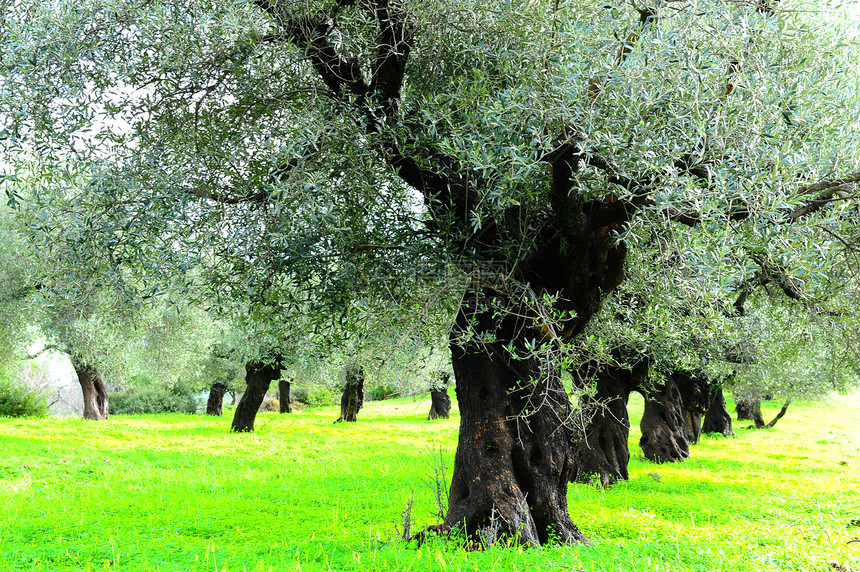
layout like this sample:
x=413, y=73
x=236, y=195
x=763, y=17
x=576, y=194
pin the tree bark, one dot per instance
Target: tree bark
x=514, y=455
x=440, y=401
x=601, y=451
x=258, y=377
x=694, y=390
x=94, y=390
x=717, y=417
x=663, y=435
x=779, y=415
x=749, y=409
x=284, y=396
x=352, y=398
x=216, y=398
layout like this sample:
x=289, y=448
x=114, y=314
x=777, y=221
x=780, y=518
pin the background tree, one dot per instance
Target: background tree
x=352, y=398
x=440, y=401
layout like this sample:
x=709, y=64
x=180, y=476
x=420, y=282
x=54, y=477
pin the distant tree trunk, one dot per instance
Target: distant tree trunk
x=94, y=390
x=258, y=377
x=602, y=451
x=353, y=394
x=216, y=398
x=284, y=396
x=778, y=415
x=717, y=417
x=663, y=435
x=694, y=390
x=749, y=409
x=440, y=401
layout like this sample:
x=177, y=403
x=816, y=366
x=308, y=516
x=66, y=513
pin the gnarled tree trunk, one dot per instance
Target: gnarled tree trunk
x=94, y=390
x=749, y=409
x=284, y=396
x=514, y=455
x=440, y=401
x=352, y=398
x=602, y=451
x=663, y=435
x=779, y=415
x=693, y=388
x=215, y=402
x=717, y=417
x=258, y=377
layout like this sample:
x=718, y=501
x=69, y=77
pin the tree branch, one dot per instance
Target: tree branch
x=566, y=205
x=259, y=197
x=47, y=348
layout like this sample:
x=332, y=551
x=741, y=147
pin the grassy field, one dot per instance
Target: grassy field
x=176, y=493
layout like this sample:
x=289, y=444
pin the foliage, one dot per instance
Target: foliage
x=377, y=391
x=21, y=401
x=791, y=352
x=278, y=196
x=174, y=492
x=314, y=395
x=146, y=400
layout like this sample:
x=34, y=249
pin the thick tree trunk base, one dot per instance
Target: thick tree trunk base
x=258, y=377
x=514, y=454
x=440, y=404
x=749, y=409
x=214, y=405
x=694, y=389
x=602, y=452
x=717, y=417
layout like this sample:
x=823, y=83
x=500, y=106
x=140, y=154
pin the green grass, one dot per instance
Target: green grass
x=177, y=493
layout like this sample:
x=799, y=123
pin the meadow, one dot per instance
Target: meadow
x=179, y=492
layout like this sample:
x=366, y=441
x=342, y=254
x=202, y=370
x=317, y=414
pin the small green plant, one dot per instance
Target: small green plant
x=153, y=400
x=381, y=391
x=315, y=396
x=19, y=401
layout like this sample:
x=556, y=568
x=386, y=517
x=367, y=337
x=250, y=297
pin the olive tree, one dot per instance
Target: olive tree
x=325, y=156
